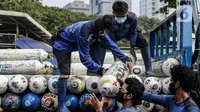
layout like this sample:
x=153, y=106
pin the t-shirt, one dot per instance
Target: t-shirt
x=130, y=109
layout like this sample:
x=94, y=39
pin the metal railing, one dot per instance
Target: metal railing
x=177, y=30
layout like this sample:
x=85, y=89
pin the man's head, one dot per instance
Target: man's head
x=182, y=78
x=131, y=90
x=120, y=10
x=105, y=23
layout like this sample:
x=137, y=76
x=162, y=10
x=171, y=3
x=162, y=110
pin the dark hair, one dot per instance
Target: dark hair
x=136, y=88
x=184, y=75
x=105, y=22
x=120, y=7
x=109, y=21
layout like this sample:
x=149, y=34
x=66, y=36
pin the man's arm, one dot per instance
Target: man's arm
x=163, y=100
x=112, y=46
x=133, y=33
x=132, y=52
x=83, y=48
x=116, y=51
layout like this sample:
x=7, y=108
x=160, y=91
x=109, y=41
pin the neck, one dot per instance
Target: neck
x=127, y=104
x=181, y=95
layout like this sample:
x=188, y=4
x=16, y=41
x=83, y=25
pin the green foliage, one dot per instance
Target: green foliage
x=51, y=18
x=171, y=3
x=123, y=43
x=54, y=18
x=165, y=9
x=145, y=24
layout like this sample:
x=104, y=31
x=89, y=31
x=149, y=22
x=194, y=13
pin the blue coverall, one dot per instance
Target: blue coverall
x=78, y=37
x=128, y=30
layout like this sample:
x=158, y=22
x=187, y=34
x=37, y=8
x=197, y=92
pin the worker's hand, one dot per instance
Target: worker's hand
x=105, y=70
x=101, y=71
x=98, y=105
x=132, y=52
x=129, y=64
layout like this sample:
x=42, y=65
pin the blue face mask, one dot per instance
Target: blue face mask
x=120, y=20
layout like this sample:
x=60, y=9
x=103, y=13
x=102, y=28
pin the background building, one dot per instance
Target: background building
x=101, y=7
x=149, y=7
x=78, y=6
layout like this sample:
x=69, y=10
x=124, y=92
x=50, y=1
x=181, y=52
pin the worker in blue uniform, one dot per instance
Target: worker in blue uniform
x=127, y=23
x=181, y=83
x=79, y=37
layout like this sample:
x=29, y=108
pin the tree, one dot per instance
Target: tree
x=54, y=18
x=145, y=24
x=165, y=9
x=51, y=18
x=171, y=3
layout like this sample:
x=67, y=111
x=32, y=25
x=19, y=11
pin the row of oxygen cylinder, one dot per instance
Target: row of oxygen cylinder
x=37, y=61
x=107, y=85
x=77, y=84
x=43, y=91
x=32, y=102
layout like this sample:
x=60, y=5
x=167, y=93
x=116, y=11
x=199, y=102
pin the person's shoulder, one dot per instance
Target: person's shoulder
x=190, y=105
x=86, y=28
x=132, y=17
x=132, y=14
x=193, y=109
x=80, y=23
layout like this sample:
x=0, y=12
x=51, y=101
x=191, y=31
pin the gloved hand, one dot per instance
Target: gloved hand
x=101, y=71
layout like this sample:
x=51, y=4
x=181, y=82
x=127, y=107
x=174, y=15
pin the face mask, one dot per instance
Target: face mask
x=120, y=20
x=172, y=88
x=120, y=96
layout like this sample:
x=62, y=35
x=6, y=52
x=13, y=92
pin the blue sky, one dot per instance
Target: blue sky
x=61, y=3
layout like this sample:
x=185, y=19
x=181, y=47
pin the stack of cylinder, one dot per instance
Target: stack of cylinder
x=24, y=61
x=23, y=71
x=28, y=73
x=78, y=68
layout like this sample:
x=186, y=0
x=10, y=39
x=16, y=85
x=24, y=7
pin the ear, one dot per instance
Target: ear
x=129, y=96
x=177, y=84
